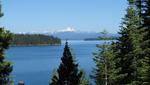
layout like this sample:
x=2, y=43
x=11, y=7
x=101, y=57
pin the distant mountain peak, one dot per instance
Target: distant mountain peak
x=68, y=29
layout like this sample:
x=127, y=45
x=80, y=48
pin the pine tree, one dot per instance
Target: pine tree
x=132, y=50
x=5, y=66
x=68, y=72
x=128, y=46
x=103, y=73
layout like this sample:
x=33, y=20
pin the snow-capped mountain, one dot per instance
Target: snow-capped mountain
x=68, y=29
x=75, y=35
x=72, y=34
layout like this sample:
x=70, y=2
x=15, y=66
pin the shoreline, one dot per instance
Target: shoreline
x=30, y=45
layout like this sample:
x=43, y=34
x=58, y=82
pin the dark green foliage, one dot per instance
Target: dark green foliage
x=131, y=53
x=125, y=54
x=5, y=66
x=144, y=8
x=67, y=73
x=127, y=45
x=132, y=48
x=34, y=39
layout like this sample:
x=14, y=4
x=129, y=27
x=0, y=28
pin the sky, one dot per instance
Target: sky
x=55, y=15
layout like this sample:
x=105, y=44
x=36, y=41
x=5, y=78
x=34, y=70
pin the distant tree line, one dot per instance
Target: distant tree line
x=34, y=39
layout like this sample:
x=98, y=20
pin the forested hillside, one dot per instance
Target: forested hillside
x=34, y=39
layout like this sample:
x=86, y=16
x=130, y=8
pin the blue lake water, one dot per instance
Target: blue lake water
x=35, y=64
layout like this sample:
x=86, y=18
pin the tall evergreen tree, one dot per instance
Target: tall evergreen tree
x=132, y=50
x=127, y=47
x=103, y=73
x=5, y=66
x=68, y=72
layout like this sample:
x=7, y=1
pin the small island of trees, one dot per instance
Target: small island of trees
x=34, y=39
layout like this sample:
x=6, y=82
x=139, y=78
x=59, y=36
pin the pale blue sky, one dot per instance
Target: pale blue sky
x=54, y=15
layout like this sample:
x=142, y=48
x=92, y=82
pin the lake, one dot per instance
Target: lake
x=35, y=64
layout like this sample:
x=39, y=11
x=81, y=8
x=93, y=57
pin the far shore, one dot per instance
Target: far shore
x=30, y=45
